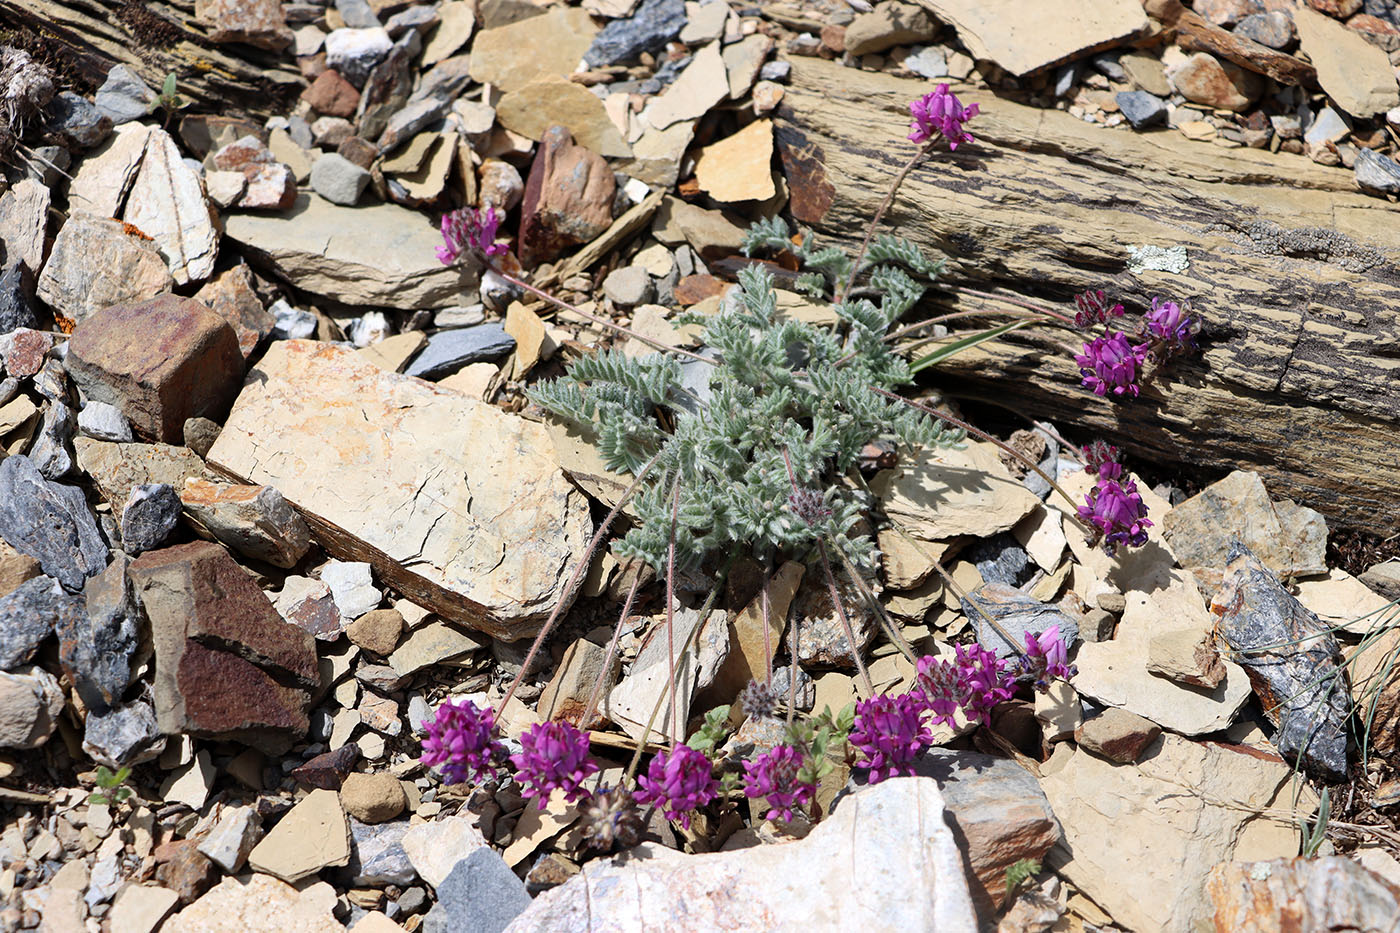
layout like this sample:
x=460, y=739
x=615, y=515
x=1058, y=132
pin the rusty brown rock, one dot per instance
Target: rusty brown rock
x=160, y=361
x=1227, y=12
x=24, y=350
x=271, y=185
x=568, y=198
x=232, y=298
x=1117, y=735
x=694, y=289
x=1205, y=80
x=332, y=95
x=329, y=769
x=568, y=692
x=1305, y=894
x=223, y=655
x=1196, y=35
x=1339, y=9
x=256, y=22
x=185, y=870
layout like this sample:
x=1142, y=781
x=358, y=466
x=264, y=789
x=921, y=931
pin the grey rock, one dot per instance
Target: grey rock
x=1388, y=10
x=1328, y=126
x=337, y=179
x=104, y=422
x=355, y=52
x=377, y=855
x=1106, y=64
x=1273, y=29
x=17, y=299
x=1293, y=664
x=655, y=23
x=29, y=613
x=385, y=92
x=1376, y=172
x=449, y=350
x=1001, y=559
x=481, y=894
x=1141, y=108
x=49, y=522
x=200, y=434
x=926, y=61
x=1015, y=612
x=31, y=701
x=124, y=97
x=9, y=388
x=412, y=900
x=357, y=14
x=53, y=451
x=97, y=646
x=1287, y=125
x=150, y=516
x=77, y=122
x=1066, y=78
x=447, y=79
x=415, y=117
x=291, y=323
x=48, y=165
x=421, y=18
x=775, y=71
x=806, y=687
x=629, y=286
x=122, y=735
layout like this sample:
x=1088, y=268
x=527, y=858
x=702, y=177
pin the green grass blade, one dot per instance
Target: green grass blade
x=957, y=346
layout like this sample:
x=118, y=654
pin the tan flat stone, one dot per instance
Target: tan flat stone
x=313, y=835
x=556, y=101
x=1029, y=35
x=737, y=168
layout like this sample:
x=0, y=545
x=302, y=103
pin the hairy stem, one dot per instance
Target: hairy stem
x=1011, y=300
x=879, y=216
x=579, y=569
x=671, y=603
x=572, y=309
x=961, y=594
x=792, y=670
x=872, y=601
x=767, y=636
x=845, y=621
x=596, y=696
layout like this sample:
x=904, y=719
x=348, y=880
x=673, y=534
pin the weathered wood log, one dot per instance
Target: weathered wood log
x=85, y=38
x=1291, y=268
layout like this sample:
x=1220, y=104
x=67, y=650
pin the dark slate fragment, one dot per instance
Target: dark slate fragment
x=1141, y=109
x=655, y=23
x=1273, y=29
x=96, y=646
x=53, y=451
x=1388, y=10
x=1016, y=613
x=29, y=613
x=377, y=855
x=449, y=350
x=150, y=517
x=1293, y=663
x=77, y=121
x=481, y=894
x=328, y=770
x=49, y=522
x=1001, y=559
x=17, y=299
x=1376, y=172
x=122, y=735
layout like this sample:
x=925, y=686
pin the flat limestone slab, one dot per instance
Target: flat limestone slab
x=455, y=503
x=1027, y=35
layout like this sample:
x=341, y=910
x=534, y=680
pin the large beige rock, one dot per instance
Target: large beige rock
x=455, y=503
x=556, y=101
x=703, y=83
x=104, y=178
x=313, y=835
x=885, y=859
x=1354, y=73
x=95, y=264
x=380, y=255
x=943, y=493
x=737, y=168
x=513, y=55
x=258, y=904
x=1028, y=35
x=1140, y=840
x=1327, y=893
x=167, y=204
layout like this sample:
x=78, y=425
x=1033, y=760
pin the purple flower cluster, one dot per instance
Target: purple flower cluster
x=773, y=775
x=1046, y=658
x=974, y=681
x=940, y=113
x=1101, y=459
x=679, y=781
x=1110, y=364
x=461, y=739
x=553, y=756
x=889, y=732
x=1116, y=509
x=1170, y=327
x=1094, y=309
x=467, y=229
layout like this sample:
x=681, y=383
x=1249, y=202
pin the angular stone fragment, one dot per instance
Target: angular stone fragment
x=1292, y=661
x=463, y=537
x=167, y=204
x=95, y=264
x=122, y=735
x=221, y=651
x=703, y=83
x=895, y=831
x=117, y=468
x=1377, y=172
x=449, y=350
x=655, y=23
x=255, y=22
x=513, y=55
x=123, y=96
x=1197, y=803
x=150, y=517
x=232, y=838
x=328, y=769
x=160, y=361
x=1017, y=614
x=888, y=25
x=378, y=855
x=259, y=904
x=481, y=892
x=255, y=521
x=1330, y=892
x=1117, y=735
x=331, y=94
x=320, y=246
x=313, y=836
x=555, y=101
x=943, y=493
x=568, y=198
x=230, y=295
x=1061, y=29
x=96, y=647
x=31, y=701
x=24, y=221
x=1356, y=75
x=737, y=168
x=29, y=614
x=103, y=179
x=1223, y=85
x=49, y=522
x=631, y=702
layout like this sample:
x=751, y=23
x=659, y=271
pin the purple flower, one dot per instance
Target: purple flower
x=985, y=682
x=890, y=734
x=939, y=688
x=554, y=756
x=1046, y=658
x=1094, y=309
x=1171, y=325
x=1111, y=363
x=1101, y=459
x=461, y=739
x=773, y=775
x=1116, y=509
x=465, y=229
x=940, y=112
x=679, y=781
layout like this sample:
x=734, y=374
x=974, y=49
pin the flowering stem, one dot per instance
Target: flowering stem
x=671, y=604
x=1011, y=300
x=792, y=669
x=767, y=636
x=572, y=309
x=919, y=154
x=596, y=696
x=574, y=578
x=958, y=422
x=896, y=637
x=845, y=621
x=962, y=596
x=957, y=315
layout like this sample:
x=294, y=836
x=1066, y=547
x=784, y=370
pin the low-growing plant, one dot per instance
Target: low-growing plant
x=111, y=786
